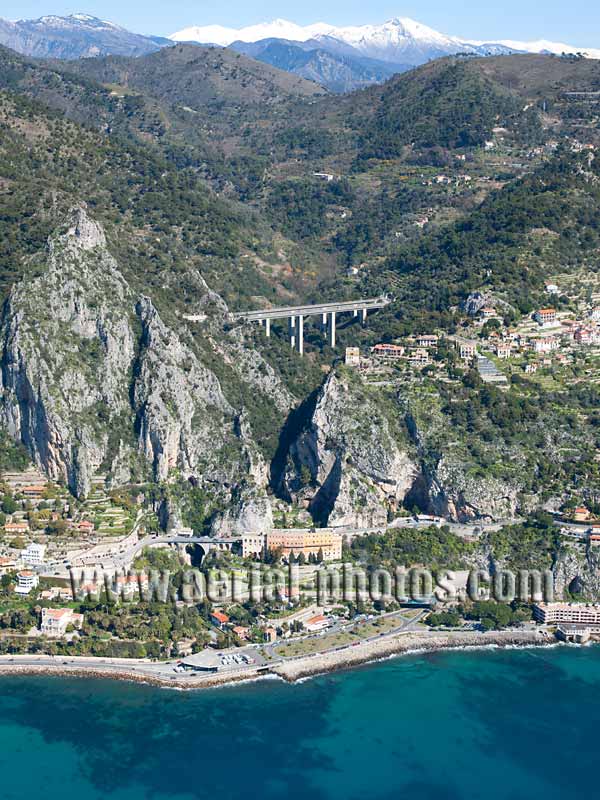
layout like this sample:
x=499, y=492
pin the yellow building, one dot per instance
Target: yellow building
x=309, y=541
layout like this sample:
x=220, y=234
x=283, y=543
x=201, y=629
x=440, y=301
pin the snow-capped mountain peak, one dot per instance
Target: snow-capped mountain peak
x=73, y=21
x=276, y=29
x=207, y=34
x=76, y=36
x=544, y=46
x=400, y=40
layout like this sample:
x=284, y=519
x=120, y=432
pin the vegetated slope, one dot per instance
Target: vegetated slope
x=213, y=109
x=446, y=104
x=200, y=105
x=545, y=223
x=457, y=102
x=205, y=79
x=167, y=240
x=165, y=221
x=336, y=71
x=545, y=77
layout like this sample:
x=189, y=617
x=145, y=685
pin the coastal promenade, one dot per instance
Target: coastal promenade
x=292, y=669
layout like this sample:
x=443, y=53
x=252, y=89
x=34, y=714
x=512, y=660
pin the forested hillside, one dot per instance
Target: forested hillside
x=213, y=184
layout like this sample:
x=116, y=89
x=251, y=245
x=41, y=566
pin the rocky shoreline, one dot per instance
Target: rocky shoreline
x=296, y=669
x=406, y=644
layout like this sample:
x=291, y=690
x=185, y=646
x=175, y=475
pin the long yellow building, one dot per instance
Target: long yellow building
x=298, y=541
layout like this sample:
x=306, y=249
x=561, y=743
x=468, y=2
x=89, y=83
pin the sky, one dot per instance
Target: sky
x=576, y=22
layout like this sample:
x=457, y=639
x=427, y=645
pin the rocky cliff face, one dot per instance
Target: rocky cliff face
x=578, y=571
x=353, y=461
x=457, y=495
x=93, y=380
x=366, y=450
x=67, y=350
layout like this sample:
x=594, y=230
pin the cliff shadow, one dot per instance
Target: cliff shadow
x=296, y=422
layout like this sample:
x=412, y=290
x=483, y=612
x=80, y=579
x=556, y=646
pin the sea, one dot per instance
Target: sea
x=493, y=724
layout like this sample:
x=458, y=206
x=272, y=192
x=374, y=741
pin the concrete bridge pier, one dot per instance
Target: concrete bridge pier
x=292, y=329
x=268, y=326
x=364, y=316
x=301, y=335
x=331, y=330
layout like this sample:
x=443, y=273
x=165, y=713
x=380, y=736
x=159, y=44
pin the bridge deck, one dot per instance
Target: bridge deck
x=319, y=308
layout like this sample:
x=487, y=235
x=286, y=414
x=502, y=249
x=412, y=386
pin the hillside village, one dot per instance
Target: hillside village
x=549, y=339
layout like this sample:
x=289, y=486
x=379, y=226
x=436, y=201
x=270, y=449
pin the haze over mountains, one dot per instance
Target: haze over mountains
x=338, y=58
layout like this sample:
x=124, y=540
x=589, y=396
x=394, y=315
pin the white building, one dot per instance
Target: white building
x=186, y=533
x=26, y=581
x=503, y=350
x=55, y=621
x=352, y=358
x=467, y=350
x=317, y=623
x=427, y=340
x=577, y=613
x=545, y=345
x=419, y=357
x=34, y=554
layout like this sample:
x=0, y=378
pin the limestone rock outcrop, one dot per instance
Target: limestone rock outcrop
x=67, y=349
x=93, y=381
x=352, y=461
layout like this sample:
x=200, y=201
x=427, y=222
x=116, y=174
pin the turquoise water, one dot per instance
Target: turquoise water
x=499, y=725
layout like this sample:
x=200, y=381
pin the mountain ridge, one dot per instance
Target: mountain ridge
x=398, y=40
x=75, y=36
x=340, y=58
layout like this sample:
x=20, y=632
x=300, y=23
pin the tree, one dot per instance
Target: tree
x=320, y=556
x=18, y=543
x=302, y=558
x=305, y=476
x=8, y=506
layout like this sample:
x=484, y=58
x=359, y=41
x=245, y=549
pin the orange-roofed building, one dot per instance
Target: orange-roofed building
x=316, y=623
x=545, y=316
x=34, y=492
x=55, y=621
x=388, y=351
x=16, y=527
x=219, y=619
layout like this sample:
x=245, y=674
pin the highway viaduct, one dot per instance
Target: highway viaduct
x=327, y=311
